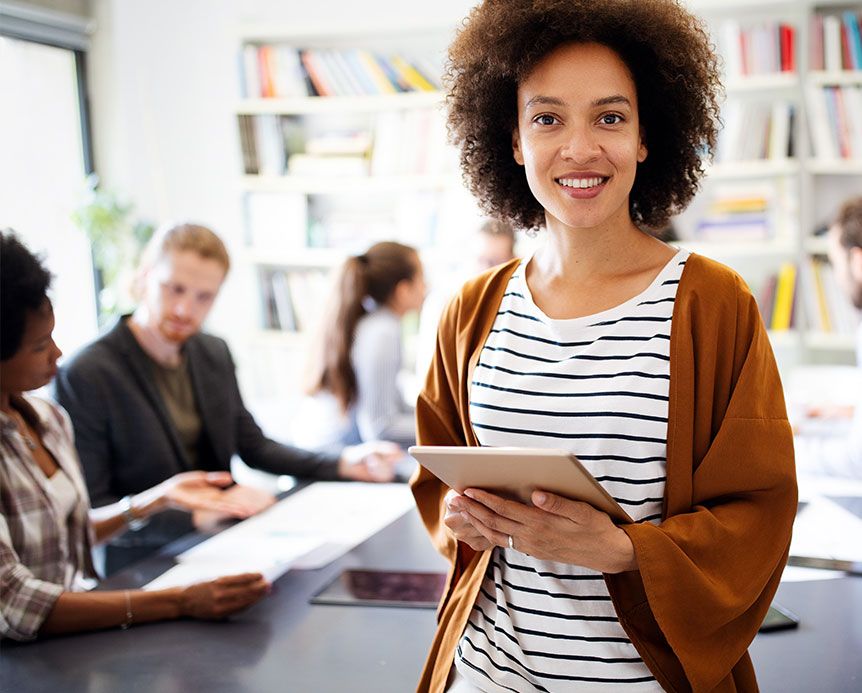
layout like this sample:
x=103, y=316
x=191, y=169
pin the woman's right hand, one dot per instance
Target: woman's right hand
x=216, y=599
x=459, y=524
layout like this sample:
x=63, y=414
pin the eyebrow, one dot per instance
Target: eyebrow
x=554, y=101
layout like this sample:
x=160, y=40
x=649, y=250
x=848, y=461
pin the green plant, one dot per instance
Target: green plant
x=116, y=240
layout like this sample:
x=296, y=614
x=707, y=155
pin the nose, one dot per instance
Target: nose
x=581, y=145
x=183, y=308
x=57, y=353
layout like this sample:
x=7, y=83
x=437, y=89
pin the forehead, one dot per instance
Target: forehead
x=575, y=71
x=189, y=268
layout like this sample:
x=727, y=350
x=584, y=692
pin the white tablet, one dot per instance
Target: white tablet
x=516, y=473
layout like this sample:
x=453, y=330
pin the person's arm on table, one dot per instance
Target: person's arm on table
x=216, y=599
x=198, y=492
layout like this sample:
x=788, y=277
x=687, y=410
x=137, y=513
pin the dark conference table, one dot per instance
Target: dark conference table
x=284, y=643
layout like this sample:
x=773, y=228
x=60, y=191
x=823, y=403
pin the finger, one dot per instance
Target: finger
x=239, y=579
x=495, y=537
x=513, y=510
x=218, y=478
x=576, y=511
x=483, y=514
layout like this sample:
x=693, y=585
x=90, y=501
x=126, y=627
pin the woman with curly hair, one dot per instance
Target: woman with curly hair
x=649, y=363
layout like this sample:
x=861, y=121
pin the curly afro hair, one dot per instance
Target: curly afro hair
x=24, y=286
x=673, y=65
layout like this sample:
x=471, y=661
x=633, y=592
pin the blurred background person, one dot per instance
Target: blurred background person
x=47, y=528
x=841, y=455
x=353, y=391
x=155, y=395
x=492, y=244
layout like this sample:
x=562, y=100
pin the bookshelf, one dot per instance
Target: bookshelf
x=342, y=146
x=790, y=152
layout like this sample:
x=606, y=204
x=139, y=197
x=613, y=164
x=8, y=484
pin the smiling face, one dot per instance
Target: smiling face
x=35, y=362
x=179, y=291
x=578, y=136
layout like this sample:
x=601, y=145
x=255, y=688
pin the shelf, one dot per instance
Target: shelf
x=784, y=339
x=842, y=77
x=301, y=258
x=279, y=338
x=725, y=6
x=835, y=167
x=337, y=185
x=827, y=341
x=761, y=168
x=739, y=249
x=767, y=82
x=341, y=104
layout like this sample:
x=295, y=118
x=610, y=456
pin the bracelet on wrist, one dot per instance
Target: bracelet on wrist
x=132, y=522
x=128, y=622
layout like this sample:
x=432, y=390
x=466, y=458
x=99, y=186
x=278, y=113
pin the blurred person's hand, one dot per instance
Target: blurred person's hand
x=244, y=502
x=374, y=460
x=216, y=599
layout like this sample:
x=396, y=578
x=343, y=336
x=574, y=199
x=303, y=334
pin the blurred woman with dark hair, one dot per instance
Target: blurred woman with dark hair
x=355, y=375
x=47, y=527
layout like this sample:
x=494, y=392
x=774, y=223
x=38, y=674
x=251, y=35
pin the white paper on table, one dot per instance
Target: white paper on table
x=824, y=529
x=272, y=557
x=332, y=516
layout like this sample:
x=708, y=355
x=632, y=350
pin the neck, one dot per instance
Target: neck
x=152, y=341
x=6, y=401
x=573, y=255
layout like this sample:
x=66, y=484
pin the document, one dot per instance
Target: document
x=330, y=517
x=271, y=555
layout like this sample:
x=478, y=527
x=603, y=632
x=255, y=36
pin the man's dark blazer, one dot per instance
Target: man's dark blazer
x=127, y=441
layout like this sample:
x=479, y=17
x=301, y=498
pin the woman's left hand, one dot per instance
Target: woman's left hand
x=203, y=491
x=553, y=529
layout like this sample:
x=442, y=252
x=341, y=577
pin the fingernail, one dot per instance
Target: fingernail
x=470, y=494
x=540, y=498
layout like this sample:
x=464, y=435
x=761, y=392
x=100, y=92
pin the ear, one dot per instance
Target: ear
x=855, y=258
x=516, y=147
x=642, y=148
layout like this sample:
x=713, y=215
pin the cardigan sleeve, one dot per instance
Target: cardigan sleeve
x=710, y=573
x=438, y=423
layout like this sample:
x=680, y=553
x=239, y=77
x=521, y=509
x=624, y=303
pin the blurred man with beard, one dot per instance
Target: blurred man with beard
x=155, y=396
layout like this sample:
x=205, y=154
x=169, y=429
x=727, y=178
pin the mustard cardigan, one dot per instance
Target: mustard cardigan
x=708, y=572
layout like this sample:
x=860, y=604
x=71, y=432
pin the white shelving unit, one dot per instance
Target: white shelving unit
x=813, y=187
x=420, y=206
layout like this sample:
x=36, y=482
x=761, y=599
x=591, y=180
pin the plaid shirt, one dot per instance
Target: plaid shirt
x=37, y=547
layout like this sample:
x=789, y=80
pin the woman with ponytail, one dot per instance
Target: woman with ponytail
x=353, y=388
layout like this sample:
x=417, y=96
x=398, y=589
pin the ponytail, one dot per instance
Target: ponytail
x=373, y=275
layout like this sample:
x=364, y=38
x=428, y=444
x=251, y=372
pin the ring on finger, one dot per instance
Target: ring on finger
x=511, y=542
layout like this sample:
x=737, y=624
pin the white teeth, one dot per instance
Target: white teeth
x=580, y=182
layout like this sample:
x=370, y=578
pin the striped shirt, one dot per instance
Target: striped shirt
x=596, y=386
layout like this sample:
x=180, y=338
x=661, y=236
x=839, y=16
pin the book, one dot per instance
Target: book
x=784, y=295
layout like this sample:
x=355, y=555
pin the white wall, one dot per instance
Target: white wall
x=164, y=83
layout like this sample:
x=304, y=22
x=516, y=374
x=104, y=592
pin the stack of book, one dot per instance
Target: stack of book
x=283, y=71
x=827, y=308
x=836, y=121
x=836, y=41
x=756, y=131
x=392, y=143
x=734, y=214
x=758, y=49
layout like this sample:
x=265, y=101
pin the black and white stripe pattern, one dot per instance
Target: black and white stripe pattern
x=597, y=386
